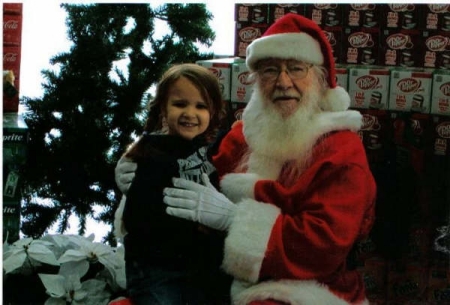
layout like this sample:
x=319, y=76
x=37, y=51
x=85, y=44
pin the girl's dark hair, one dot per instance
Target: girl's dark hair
x=207, y=84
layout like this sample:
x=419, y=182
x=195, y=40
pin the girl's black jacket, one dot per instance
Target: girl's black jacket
x=153, y=235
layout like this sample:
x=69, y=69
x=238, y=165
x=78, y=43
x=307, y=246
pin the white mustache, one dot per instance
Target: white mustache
x=283, y=95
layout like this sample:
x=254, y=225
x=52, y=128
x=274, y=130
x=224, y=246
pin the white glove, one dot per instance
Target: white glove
x=200, y=203
x=124, y=174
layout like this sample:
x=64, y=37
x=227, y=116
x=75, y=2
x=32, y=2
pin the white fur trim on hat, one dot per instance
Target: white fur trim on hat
x=248, y=236
x=299, y=46
x=335, y=99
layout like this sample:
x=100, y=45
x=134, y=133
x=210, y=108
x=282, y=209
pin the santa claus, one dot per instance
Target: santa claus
x=296, y=189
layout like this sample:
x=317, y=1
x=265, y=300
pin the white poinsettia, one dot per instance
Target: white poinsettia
x=67, y=289
x=28, y=250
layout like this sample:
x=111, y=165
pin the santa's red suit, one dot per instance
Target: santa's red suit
x=289, y=240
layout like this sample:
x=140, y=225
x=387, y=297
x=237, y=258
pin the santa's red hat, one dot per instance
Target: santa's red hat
x=296, y=37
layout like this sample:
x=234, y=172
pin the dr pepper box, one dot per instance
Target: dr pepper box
x=401, y=48
x=360, y=46
x=221, y=67
x=410, y=90
x=245, y=33
x=362, y=15
x=325, y=14
x=342, y=76
x=436, y=49
x=440, y=94
x=334, y=37
x=436, y=16
x=368, y=87
x=15, y=139
x=252, y=13
x=401, y=16
x=241, y=88
x=276, y=11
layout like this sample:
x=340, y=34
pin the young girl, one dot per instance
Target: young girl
x=169, y=260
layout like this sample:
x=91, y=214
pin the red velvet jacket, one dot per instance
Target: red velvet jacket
x=291, y=240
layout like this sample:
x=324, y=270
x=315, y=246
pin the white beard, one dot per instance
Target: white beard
x=274, y=140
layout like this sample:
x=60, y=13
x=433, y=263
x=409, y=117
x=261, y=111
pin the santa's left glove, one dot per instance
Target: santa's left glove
x=199, y=203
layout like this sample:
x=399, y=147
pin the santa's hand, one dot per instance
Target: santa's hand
x=124, y=173
x=200, y=203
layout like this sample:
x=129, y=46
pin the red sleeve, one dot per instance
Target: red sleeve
x=231, y=150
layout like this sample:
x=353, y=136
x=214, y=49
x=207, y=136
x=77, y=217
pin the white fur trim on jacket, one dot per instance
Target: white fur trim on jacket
x=294, y=292
x=247, y=239
x=286, y=45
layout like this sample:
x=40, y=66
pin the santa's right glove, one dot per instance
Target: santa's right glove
x=124, y=174
x=199, y=203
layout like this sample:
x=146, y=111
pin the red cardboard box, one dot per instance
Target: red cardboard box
x=12, y=9
x=252, y=13
x=436, y=49
x=436, y=17
x=245, y=34
x=401, y=16
x=12, y=30
x=362, y=14
x=325, y=14
x=401, y=48
x=276, y=11
x=361, y=46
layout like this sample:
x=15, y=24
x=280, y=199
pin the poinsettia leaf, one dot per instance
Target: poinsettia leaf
x=72, y=256
x=42, y=254
x=80, y=268
x=54, y=283
x=14, y=261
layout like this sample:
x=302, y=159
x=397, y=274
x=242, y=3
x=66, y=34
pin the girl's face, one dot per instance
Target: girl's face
x=187, y=113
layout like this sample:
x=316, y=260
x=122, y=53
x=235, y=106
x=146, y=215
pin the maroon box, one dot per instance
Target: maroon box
x=12, y=30
x=436, y=17
x=360, y=46
x=276, y=11
x=362, y=15
x=11, y=60
x=401, y=48
x=325, y=14
x=12, y=8
x=252, y=13
x=334, y=36
x=401, y=16
x=245, y=33
x=436, y=45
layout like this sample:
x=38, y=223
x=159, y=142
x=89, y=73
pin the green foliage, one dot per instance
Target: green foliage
x=91, y=109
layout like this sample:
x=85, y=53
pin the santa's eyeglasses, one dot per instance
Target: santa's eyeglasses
x=269, y=71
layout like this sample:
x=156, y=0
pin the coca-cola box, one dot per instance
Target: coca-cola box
x=221, y=68
x=257, y=13
x=410, y=89
x=401, y=16
x=361, y=46
x=362, y=15
x=401, y=48
x=245, y=33
x=12, y=30
x=325, y=14
x=278, y=10
x=436, y=46
x=440, y=94
x=369, y=87
x=241, y=87
x=15, y=139
x=436, y=16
